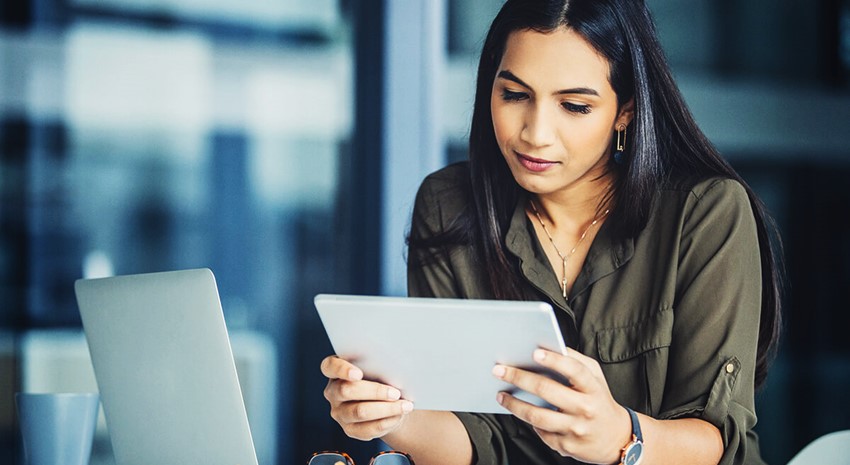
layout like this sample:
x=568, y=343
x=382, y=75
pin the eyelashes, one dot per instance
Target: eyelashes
x=573, y=108
x=511, y=96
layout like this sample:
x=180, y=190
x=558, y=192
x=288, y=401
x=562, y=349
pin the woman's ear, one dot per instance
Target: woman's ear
x=627, y=112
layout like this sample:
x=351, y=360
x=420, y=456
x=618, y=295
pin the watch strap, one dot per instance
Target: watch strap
x=635, y=424
x=632, y=453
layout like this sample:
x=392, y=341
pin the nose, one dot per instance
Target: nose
x=538, y=129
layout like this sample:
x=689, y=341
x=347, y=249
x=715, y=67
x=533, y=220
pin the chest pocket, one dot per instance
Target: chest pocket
x=634, y=360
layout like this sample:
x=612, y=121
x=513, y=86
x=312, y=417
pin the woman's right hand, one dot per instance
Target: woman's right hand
x=365, y=409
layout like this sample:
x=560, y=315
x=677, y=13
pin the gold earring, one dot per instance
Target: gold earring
x=621, y=137
x=619, y=156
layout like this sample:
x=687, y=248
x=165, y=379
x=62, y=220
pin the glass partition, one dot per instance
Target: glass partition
x=141, y=136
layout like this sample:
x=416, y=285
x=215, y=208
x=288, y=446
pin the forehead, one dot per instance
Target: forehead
x=555, y=60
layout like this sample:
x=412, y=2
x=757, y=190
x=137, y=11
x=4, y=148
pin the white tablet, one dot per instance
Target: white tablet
x=440, y=352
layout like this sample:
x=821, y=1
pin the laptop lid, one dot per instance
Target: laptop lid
x=165, y=369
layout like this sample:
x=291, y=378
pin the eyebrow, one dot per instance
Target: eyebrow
x=575, y=90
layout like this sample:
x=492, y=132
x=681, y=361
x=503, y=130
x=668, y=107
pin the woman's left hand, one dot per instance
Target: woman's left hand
x=588, y=424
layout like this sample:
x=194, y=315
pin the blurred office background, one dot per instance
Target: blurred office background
x=280, y=143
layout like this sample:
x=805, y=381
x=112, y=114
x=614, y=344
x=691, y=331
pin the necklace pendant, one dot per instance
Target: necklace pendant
x=564, y=277
x=564, y=258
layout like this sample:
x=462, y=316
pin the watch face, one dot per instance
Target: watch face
x=633, y=453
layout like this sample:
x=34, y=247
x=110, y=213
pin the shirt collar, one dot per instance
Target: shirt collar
x=534, y=266
x=605, y=255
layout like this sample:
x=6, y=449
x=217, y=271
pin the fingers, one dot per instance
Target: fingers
x=581, y=371
x=538, y=417
x=591, y=364
x=365, y=409
x=345, y=383
x=339, y=391
x=365, y=412
x=570, y=398
x=334, y=367
x=370, y=420
x=366, y=431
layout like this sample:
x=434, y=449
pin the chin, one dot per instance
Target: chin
x=532, y=185
x=536, y=183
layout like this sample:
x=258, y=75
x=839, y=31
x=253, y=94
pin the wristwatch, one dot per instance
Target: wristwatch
x=633, y=451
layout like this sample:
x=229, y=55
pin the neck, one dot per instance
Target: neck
x=577, y=207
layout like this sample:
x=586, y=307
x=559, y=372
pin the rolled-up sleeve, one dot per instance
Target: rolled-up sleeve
x=717, y=310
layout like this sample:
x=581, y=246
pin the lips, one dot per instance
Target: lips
x=536, y=165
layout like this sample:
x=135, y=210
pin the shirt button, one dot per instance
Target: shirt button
x=730, y=368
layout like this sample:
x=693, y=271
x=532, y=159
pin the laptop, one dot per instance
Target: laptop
x=165, y=369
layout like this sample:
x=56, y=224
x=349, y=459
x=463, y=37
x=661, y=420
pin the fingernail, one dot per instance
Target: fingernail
x=393, y=394
x=539, y=355
x=407, y=406
x=500, y=398
x=355, y=374
x=499, y=371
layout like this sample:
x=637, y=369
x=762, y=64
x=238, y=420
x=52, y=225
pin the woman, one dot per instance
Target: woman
x=590, y=186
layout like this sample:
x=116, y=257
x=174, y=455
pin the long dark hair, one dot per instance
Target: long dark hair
x=665, y=144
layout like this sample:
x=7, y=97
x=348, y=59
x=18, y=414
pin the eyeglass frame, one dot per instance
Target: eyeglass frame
x=350, y=461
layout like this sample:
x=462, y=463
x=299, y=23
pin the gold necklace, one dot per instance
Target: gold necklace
x=565, y=258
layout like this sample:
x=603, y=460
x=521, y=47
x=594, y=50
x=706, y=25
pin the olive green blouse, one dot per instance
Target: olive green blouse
x=671, y=315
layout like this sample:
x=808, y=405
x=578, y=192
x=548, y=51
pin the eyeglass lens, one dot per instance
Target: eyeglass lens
x=392, y=458
x=329, y=458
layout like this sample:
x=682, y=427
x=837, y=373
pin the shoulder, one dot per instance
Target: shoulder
x=719, y=189
x=720, y=197
x=716, y=205
x=452, y=179
x=711, y=192
x=443, y=195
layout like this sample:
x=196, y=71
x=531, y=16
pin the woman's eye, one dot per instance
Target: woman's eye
x=510, y=96
x=574, y=108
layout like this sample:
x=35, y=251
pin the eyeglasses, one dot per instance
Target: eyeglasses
x=389, y=457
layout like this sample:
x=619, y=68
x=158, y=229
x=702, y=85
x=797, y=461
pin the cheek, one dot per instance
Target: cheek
x=605, y=137
x=596, y=135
